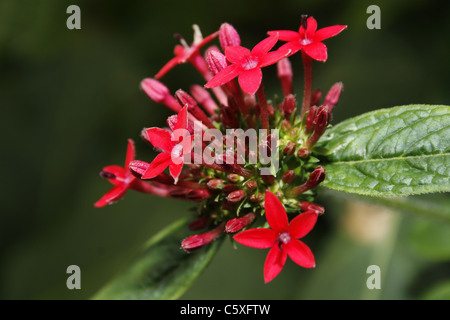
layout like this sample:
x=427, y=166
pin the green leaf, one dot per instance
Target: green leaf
x=162, y=271
x=389, y=152
x=439, y=292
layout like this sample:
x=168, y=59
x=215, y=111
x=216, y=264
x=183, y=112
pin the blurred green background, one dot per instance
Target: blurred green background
x=71, y=98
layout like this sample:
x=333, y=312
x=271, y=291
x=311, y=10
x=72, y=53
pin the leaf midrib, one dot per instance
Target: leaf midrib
x=390, y=159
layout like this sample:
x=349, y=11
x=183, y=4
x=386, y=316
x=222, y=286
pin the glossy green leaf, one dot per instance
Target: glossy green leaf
x=389, y=152
x=162, y=271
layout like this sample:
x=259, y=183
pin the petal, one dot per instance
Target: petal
x=328, y=32
x=224, y=76
x=158, y=165
x=182, y=120
x=236, y=54
x=300, y=253
x=131, y=153
x=275, y=261
x=317, y=51
x=175, y=170
x=302, y=224
x=112, y=195
x=275, y=213
x=264, y=46
x=293, y=47
x=250, y=80
x=259, y=238
x=160, y=138
x=169, y=65
x=274, y=57
x=118, y=171
x=311, y=27
x=285, y=35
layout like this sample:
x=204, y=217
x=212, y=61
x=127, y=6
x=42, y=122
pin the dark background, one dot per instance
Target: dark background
x=70, y=99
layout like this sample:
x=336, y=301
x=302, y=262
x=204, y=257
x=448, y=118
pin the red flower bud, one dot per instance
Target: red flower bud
x=216, y=61
x=315, y=178
x=155, y=90
x=285, y=74
x=215, y=184
x=236, y=196
x=310, y=118
x=288, y=106
x=237, y=224
x=234, y=177
x=199, y=240
x=315, y=97
x=289, y=148
x=308, y=206
x=332, y=97
x=251, y=185
x=228, y=36
x=268, y=179
x=288, y=176
x=303, y=153
x=256, y=197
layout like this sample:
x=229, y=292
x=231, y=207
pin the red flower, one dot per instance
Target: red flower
x=308, y=38
x=122, y=179
x=184, y=52
x=282, y=238
x=247, y=64
x=172, y=150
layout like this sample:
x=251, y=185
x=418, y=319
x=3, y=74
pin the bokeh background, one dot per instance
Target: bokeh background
x=70, y=99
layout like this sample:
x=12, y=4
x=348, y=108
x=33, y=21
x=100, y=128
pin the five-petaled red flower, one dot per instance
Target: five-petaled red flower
x=308, y=38
x=282, y=238
x=172, y=149
x=121, y=178
x=183, y=53
x=247, y=64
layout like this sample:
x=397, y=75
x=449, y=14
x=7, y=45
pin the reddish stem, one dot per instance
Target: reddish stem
x=307, y=65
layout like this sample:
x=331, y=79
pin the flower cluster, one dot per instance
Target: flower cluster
x=261, y=193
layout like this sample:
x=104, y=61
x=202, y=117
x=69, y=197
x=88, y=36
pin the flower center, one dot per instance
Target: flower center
x=284, y=237
x=250, y=63
x=305, y=41
x=177, y=151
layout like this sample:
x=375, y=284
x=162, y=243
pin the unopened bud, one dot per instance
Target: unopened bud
x=155, y=89
x=288, y=176
x=332, y=97
x=198, y=195
x=310, y=118
x=216, y=62
x=268, y=179
x=185, y=99
x=199, y=240
x=256, y=197
x=251, y=185
x=237, y=224
x=303, y=153
x=284, y=71
x=215, y=184
x=288, y=106
x=315, y=178
x=230, y=187
x=204, y=98
x=315, y=97
x=234, y=177
x=236, y=196
x=307, y=206
x=228, y=36
x=289, y=148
